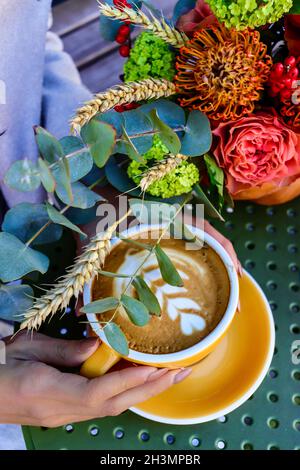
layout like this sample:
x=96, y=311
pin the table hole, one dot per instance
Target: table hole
x=170, y=439
x=295, y=329
x=251, y=398
x=296, y=400
x=270, y=211
x=294, y=287
x=229, y=225
x=119, y=433
x=250, y=227
x=273, y=397
x=273, y=305
x=271, y=266
x=195, y=441
x=271, y=228
x=220, y=444
x=273, y=447
x=248, y=420
x=294, y=308
x=222, y=419
x=247, y=446
x=94, y=431
x=69, y=428
x=271, y=247
x=273, y=373
x=296, y=425
x=250, y=209
x=291, y=230
x=63, y=331
x=273, y=423
x=293, y=268
x=271, y=285
x=144, y=436
x=250, y=245
x=291, y=213
x=275, y=351
x=296, y=375
x=292, y=249
x=249, y=264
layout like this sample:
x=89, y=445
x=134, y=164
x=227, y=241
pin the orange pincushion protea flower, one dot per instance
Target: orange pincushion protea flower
x=221, y=72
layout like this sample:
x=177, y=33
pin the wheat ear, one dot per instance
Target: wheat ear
x=158, y=27
x=157, y=172
x=72, y=283
x=122, y=94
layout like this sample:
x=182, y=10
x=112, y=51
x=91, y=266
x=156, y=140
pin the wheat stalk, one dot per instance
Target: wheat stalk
x=161, y=169
x=86, y=265
x=158, y=27
x=122, y=94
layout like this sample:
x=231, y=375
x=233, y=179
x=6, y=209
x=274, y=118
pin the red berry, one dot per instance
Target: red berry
x=119, y=108
x=285, y=94
x=278, y=69
x=287, y=82
x=124, y=50
x=290, y=61
x=293, y=72
x=124, y=30
x=120, y=38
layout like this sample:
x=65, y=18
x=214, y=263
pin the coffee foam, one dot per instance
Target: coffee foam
x=189, y=313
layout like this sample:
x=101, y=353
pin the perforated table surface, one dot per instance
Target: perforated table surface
x=267, y=242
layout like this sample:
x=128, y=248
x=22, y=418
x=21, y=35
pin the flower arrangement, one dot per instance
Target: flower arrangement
x=209, y=110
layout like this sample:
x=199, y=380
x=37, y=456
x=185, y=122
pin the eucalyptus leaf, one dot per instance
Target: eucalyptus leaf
x=152, y=212
x=17, y=259
x=136, y=122
x=109, y=274
x=49, y=147
x=168, y=271
x=210, y=209
x=169, y=138
x=101, y=138
x=136, y=310
x=169, y=112
x=146, y=295
x=26, y=218
x=113, y=118
x=116, y=174
x=46, y=176
x=215, y=173
x=81, y=216
x=23, y=175
x=60, y=219
x=83, y=197
x=182, y=7
x=116, y=338
x=130, y=149
x=79, y=157
x=100, y=306
x=61, y=173
x=198, y=137
x=14, y=301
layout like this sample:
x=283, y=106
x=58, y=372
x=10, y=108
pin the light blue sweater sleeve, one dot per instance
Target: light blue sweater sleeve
x=39, y=84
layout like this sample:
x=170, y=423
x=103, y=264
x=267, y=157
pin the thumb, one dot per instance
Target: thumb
x=56, y=352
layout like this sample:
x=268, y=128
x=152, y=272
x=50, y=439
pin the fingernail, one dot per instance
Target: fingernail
x=157, y=374
x=182, y=375
x=87, y=344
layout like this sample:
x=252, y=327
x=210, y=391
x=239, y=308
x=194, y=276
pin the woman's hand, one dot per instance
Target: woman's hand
x=33, y=392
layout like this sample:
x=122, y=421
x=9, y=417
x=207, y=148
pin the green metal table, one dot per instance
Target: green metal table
x=267, y=242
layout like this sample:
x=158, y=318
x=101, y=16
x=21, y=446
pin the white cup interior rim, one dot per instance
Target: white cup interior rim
x=211, y=337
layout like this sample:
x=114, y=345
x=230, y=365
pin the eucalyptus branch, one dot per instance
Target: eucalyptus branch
x=151, y=250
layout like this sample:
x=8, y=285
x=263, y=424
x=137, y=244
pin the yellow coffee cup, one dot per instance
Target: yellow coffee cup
x=105, y=357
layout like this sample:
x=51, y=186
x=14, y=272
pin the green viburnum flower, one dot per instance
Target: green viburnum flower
x=157, y=151
x=241, y=14
x=178, y=181
x=149, y=57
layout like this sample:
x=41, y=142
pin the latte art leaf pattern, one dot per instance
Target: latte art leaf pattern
x=171, y=298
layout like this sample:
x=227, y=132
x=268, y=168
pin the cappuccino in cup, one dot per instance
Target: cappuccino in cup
x=188, y=313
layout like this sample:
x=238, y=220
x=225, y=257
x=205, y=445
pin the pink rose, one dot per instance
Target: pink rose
x=257, y=149
x=194, y=19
